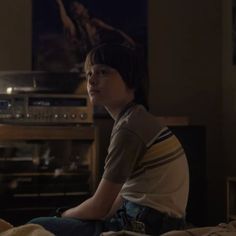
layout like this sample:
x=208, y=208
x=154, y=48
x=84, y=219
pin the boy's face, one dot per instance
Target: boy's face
x=106, y=87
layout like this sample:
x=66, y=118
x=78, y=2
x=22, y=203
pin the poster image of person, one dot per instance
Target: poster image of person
x=65, y=30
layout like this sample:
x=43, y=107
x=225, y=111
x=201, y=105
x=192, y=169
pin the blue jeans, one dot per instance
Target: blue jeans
x=69, y=226
x=142, y=219
x=131, y=217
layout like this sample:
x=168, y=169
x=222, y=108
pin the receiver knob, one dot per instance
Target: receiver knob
x=73, y=116
x=83, y=116
x=18, y=116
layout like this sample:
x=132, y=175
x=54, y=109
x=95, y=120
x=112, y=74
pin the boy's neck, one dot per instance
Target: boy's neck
x=116, y=113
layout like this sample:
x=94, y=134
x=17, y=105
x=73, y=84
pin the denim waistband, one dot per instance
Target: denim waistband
x=133, y=209
x=154, y=220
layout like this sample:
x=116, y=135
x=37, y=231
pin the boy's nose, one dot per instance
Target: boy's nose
x=93, y=79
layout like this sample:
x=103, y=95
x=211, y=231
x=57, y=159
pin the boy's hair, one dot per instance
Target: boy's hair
x=128, y=62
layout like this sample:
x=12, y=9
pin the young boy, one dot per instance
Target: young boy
x=145, y=183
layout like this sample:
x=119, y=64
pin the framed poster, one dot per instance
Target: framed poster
x=65, y=30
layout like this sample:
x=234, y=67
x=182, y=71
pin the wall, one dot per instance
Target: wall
x=185, y=69
x=15, y=40
x=185, y=62
x=229, y=91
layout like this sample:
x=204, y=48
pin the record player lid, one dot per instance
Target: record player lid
x=39, y=82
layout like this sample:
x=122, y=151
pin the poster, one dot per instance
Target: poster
x=65, y=30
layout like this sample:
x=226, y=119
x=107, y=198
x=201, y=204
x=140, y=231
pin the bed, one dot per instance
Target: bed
x=222, y=229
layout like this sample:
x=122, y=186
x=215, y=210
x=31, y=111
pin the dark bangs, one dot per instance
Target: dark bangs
x=116, y=56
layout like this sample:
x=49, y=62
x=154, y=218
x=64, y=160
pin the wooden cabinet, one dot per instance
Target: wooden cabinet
x=231, y=198
x=45, y=167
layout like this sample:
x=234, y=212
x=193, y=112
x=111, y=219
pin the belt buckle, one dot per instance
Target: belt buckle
x=138, y=226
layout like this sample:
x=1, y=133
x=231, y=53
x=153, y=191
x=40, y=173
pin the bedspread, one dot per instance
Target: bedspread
x=6, y=229
x=222, y=229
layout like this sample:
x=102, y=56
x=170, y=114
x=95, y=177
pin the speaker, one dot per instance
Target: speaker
x=193, y=139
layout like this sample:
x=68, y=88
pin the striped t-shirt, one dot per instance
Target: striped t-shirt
x=150, y=161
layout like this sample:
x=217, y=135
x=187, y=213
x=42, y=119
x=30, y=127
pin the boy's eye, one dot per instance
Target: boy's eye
x=88, y=74
x=103, y=71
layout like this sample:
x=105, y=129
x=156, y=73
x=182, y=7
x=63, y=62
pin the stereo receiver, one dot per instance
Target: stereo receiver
x=45, y=109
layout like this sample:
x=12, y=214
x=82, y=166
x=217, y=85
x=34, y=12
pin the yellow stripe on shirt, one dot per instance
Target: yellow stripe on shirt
x=161, y=149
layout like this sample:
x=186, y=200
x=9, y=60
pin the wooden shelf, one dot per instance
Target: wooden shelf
x=231, y=198
x=232, y=217
x=65, y=144
x=232, y=179
x=20, y=132
x=174, y=120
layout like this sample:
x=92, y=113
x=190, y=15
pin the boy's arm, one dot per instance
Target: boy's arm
x=116, y=205
x=99, y=205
